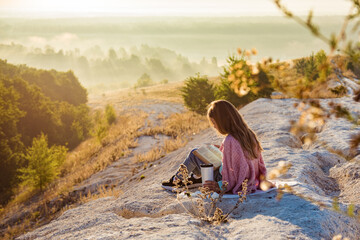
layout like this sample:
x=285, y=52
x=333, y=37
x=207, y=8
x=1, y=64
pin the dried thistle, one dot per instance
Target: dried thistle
x=205, y=207
x=242, y=198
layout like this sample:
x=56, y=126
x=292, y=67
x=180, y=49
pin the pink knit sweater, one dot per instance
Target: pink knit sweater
x=237, y=166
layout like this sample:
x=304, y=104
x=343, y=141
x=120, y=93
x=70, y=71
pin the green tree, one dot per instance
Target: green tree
x=43, y=163
x=112, y=54
x=41, y=113
x=26, y=111
x=314, y=69
x=53, y=84
x=75, y=124
x=144, y=81
x=62, y=122
x=100, y=127
x=10, y=144
x=110, y=114
x=198, y=93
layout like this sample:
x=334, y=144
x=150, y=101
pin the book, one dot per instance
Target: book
x=209, y=154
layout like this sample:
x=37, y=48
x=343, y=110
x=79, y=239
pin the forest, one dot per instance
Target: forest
x=36, y=102
x=121, y=68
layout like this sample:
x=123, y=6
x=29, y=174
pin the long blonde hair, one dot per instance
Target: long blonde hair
x=229, y=121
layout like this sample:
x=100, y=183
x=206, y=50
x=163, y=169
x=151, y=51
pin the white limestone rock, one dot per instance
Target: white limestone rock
x=146, y=211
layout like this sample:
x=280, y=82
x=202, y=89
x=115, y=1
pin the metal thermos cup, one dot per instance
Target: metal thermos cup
x=207, y=172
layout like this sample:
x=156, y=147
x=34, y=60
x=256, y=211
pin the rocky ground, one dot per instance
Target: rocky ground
x=120, y=171
x=145, y=210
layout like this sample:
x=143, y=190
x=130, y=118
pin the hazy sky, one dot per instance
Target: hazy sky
x=170, y=7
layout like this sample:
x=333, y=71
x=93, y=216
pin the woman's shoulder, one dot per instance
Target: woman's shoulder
x=229, y=139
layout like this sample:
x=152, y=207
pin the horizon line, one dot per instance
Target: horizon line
x=57, y=14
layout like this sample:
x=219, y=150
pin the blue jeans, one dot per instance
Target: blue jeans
x=193, y=163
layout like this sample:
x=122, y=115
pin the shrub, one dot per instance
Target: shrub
x=100, y=133
x=100, y=127
x=164, y=81
x=339, y=90
x=144, y=81
x=110, y=114
x=314, y=68
x=246, y=80
x=198, y=93
x=352, y=52
x=350, y=66
x=43, y=163
x=226, y=92
x=323, y=65
x=300, y=66
x=310, y=72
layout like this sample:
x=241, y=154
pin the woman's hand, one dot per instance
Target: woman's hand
x=212, y=185
x=266, y=185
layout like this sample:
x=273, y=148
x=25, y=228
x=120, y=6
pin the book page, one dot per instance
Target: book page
x=216, y=151
x=209, y=156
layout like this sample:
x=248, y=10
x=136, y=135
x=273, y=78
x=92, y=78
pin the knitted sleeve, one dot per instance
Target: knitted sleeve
x=235, y=168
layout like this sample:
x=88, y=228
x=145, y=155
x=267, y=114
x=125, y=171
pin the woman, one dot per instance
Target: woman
x=241, y=150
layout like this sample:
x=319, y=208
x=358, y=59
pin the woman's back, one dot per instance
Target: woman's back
x=237, y=166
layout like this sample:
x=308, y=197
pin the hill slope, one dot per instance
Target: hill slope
x=144, y=210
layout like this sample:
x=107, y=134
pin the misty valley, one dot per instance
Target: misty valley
x=107, y=53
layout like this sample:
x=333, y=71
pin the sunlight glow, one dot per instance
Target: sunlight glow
x=174, y=7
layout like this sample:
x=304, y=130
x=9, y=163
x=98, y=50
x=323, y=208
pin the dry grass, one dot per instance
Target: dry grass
x=159, y=152
x=150, y=156
x=167, y=92
x=179, y=124
x=102, y=191
x=90, y=157
x=87, y=159
x=180, y=127
x=30, y=209
x=173, y=144
x=34, y=219
x=288, y=81
x=160, y=116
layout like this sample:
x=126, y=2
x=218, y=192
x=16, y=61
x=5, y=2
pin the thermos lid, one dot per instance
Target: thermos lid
x=206, y=165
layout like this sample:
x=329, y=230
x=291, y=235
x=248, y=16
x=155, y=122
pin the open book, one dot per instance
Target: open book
x=209, y=154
